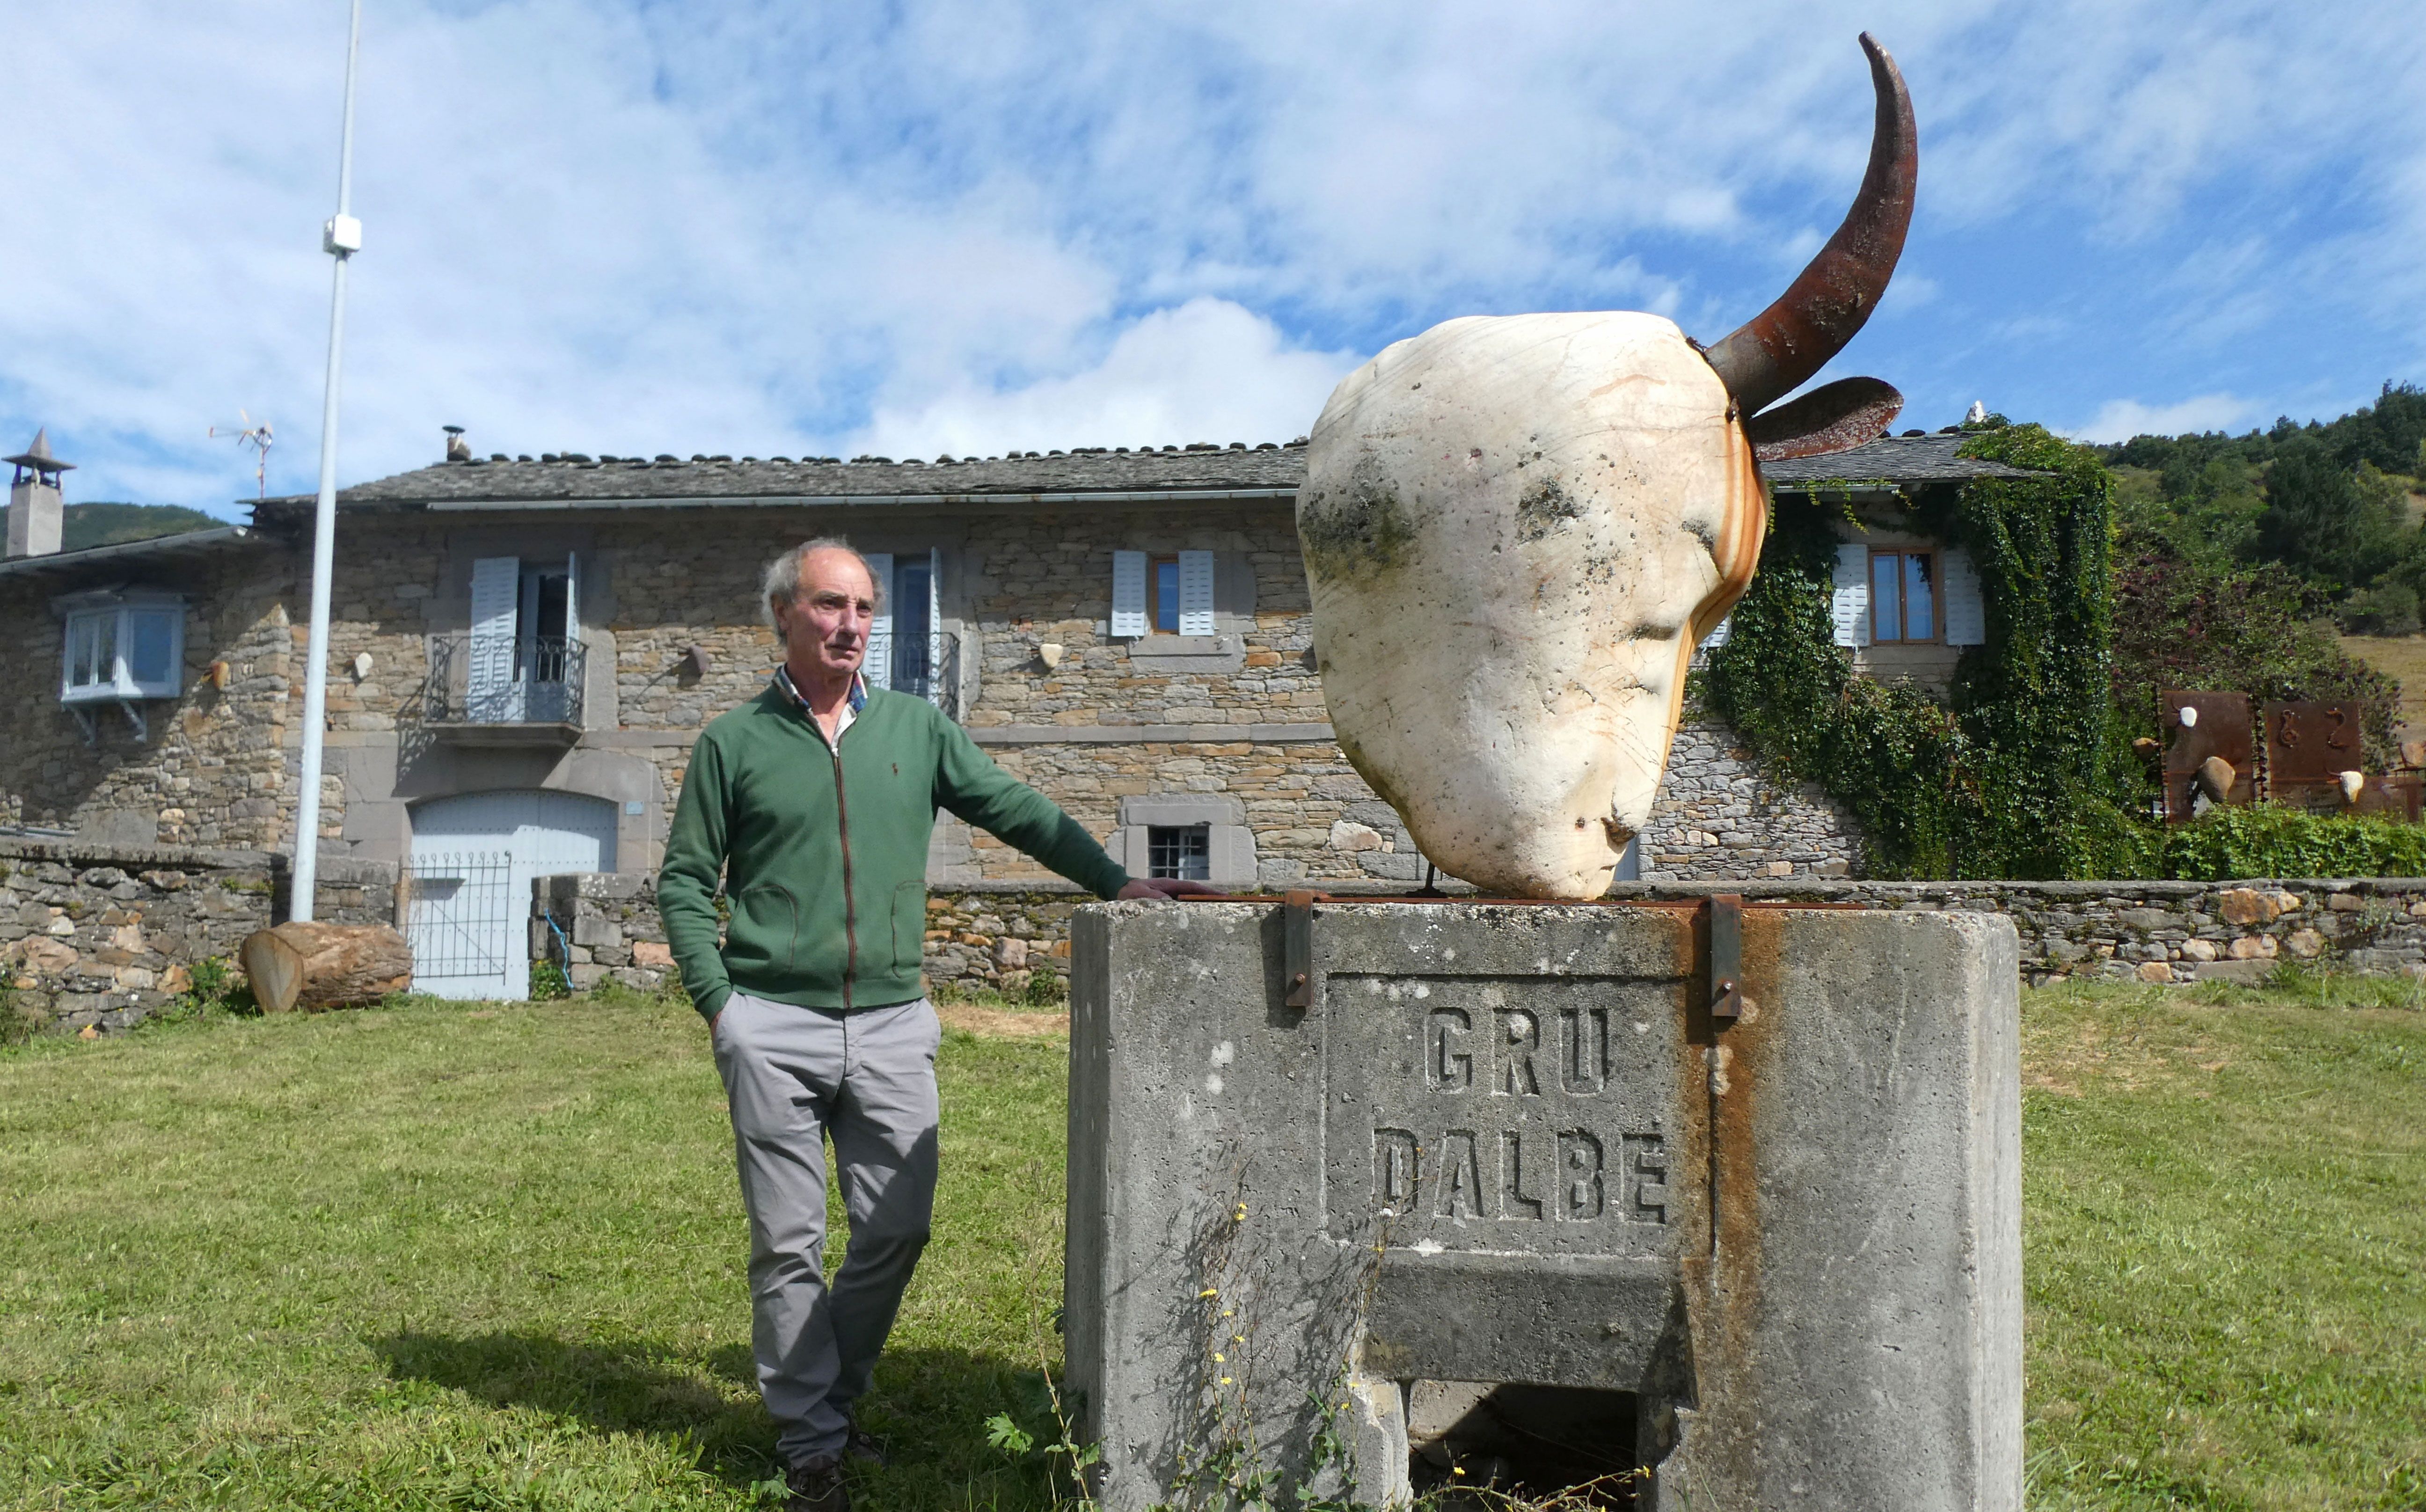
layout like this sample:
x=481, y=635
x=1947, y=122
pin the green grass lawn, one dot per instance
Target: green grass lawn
x=446, y=1256
x=438, y=1255
x=2225, y=1237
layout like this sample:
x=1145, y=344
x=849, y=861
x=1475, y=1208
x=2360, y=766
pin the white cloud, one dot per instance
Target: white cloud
x=614, y=226
x=1208, y=370
x=2122, y=419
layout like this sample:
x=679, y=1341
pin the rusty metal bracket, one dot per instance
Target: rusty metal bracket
x=1297, y=949
x=1727, y=957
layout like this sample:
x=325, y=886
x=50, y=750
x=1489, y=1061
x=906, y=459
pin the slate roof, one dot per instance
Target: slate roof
x=154, y=548
x=1235, y=471
x=573, y=479
x=1895, y=459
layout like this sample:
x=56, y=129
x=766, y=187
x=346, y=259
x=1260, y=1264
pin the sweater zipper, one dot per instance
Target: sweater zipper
x=850, y=900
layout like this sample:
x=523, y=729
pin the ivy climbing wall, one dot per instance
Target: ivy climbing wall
x=2019, y=771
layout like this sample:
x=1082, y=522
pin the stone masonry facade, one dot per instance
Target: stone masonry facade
x=206, y=769
x=673, y=637
x=1719, y=817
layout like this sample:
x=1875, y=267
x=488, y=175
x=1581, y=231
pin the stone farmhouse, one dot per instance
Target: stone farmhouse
x=524, y=649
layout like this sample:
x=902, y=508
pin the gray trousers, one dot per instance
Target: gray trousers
x=793, y=1078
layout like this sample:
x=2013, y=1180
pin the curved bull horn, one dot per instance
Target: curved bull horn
x=1773, y=352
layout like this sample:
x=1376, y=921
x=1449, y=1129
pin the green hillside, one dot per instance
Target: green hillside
x=113, y=524
x=2335, y=505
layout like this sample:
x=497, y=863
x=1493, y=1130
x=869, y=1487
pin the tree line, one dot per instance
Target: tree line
x=2332, y=506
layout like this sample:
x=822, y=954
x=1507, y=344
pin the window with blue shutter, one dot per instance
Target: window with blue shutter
x=1195, y=593
x=1849, y=607
x=1129, y=606
x=877, y=667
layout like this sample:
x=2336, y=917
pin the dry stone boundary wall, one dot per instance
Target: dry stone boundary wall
x=980, y=935
x=996, y=935
x=105, y=935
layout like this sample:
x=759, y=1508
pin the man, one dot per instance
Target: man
x=812, y=802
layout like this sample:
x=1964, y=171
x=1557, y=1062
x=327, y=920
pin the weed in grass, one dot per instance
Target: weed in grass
x=549, y=982
x=214, y=982
x=1029, y=999
x=213, y=991
x=615, y=993
x=17, y=1021
x=1230, y=1460
x=1049, y=1441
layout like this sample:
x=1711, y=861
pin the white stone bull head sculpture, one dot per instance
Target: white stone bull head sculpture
x=1518, y=528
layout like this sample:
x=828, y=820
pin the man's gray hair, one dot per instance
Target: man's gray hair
x=784, y=575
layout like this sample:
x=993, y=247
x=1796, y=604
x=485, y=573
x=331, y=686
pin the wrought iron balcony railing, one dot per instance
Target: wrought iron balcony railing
x=477, y=679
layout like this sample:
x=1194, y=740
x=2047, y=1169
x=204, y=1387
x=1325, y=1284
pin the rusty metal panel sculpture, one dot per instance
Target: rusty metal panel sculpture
x=2308, y=746
x=2217, y=731
x=2402, y=796
x=2396, y=796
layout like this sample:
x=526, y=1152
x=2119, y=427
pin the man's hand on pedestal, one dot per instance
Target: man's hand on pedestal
x=1161, y=889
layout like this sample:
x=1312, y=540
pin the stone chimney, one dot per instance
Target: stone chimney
x=34, y=499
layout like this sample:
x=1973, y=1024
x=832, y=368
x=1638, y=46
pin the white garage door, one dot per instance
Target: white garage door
x=473, y=856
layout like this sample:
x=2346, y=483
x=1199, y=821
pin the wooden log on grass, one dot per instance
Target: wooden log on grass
x=317, y=966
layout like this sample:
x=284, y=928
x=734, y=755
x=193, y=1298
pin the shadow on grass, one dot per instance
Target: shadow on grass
x=634, y=1387
x=930, y=1405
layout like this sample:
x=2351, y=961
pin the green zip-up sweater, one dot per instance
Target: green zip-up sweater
x=822, y=848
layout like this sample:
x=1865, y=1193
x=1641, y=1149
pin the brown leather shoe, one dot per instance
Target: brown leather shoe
x=816, y=1487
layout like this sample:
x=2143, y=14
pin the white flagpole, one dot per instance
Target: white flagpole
x=340, y=239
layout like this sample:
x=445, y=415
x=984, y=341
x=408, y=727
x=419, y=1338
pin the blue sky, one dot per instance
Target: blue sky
x=618, y=225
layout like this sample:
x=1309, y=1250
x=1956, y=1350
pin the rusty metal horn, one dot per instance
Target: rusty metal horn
x=1772, y=353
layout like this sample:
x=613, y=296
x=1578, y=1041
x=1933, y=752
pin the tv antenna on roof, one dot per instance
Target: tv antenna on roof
x=259, y=439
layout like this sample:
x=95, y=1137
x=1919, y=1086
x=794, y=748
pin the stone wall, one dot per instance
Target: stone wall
x=1720, y=818
x=1046, y=579
x=105, y=935
x=2176, y=932
x=1000, y=937
x=599, y=925
x=1298, y=795
x=992, y=935
x=996, y=934
x=2181, y=932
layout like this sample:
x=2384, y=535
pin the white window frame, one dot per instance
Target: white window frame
x=121, y=611
x=1138, y=604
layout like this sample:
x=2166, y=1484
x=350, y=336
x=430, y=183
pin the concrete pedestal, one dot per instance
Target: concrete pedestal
x=1508, y=1144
